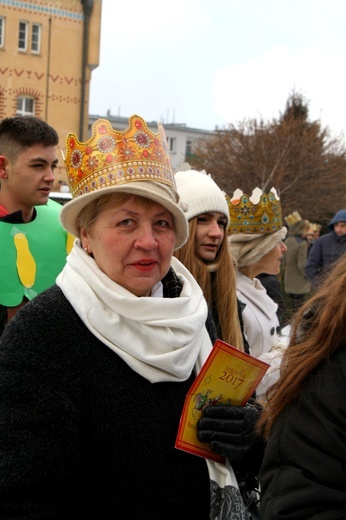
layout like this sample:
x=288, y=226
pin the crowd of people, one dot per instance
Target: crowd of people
x=308, y=258
x=110, y=306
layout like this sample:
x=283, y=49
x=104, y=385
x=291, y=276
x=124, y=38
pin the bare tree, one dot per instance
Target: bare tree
x=296, y=156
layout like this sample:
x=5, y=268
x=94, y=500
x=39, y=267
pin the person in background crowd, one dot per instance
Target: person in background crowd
x=30, y=231
x=257, y=246
x=327, y=248
x=310, y=238
x=88, y=406
x=206, y=255
x=304, y=423
x=296, y=284
x=316, y=229
x=313, y=234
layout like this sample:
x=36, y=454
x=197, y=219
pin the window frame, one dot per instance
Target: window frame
x=37, y=26
x=20, y=37
x=172, y=144
x=2, y=32
x=23, y=111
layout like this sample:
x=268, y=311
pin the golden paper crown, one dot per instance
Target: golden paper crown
x=315, y=227
x=111, y=157
x=293, y=218
x=258, y=214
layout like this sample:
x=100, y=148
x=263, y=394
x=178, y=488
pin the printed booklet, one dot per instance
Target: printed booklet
x=229, y=376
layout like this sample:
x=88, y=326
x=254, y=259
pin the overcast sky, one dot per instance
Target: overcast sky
x=208, y=63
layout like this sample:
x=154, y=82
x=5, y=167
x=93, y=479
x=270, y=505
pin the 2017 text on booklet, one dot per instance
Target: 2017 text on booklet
x=229, y=376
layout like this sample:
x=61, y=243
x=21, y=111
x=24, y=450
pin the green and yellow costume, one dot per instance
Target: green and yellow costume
x=32, y=255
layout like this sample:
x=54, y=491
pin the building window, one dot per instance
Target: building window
x=172, y=144
x=23, y=36
x=189, y=155
x=36, y=38
x=25, y=106
x=2, y=32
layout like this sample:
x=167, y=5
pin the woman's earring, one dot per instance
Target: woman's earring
x=86, y=250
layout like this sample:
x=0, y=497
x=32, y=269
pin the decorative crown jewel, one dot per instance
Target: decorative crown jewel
x=293, y=218
x=111, y=157
x=258, y=214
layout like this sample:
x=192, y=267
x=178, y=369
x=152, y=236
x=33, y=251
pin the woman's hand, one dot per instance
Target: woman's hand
x=230, y=431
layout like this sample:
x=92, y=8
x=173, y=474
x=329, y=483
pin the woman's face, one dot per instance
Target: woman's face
x=132, y=243
x=270, y=262
x=209, y=235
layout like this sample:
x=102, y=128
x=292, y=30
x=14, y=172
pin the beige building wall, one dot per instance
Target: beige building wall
x=54, y=76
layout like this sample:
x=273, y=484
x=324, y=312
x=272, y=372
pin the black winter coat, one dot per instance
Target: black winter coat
x=303, y=475
x=326, y=250
x=83, y=436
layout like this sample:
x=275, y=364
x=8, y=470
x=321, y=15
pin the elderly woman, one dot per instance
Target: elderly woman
x=94, y=371
x=256, y=242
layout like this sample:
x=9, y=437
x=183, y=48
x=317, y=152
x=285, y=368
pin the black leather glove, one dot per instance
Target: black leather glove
x=230, y=432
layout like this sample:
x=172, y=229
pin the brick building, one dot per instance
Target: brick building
x=48, y=50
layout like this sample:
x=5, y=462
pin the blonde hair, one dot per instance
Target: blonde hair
x=224, y=299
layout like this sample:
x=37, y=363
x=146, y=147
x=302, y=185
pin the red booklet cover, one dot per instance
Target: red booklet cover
x=229, y=376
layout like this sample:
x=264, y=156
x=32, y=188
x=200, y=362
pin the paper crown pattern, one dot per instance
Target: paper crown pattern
x=293, y=218
x=111, y=157
x=258, y=214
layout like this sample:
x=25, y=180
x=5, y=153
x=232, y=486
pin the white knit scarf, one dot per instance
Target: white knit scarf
x=162, y=339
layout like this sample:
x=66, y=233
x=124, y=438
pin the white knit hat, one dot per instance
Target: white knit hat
x=200, y=193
